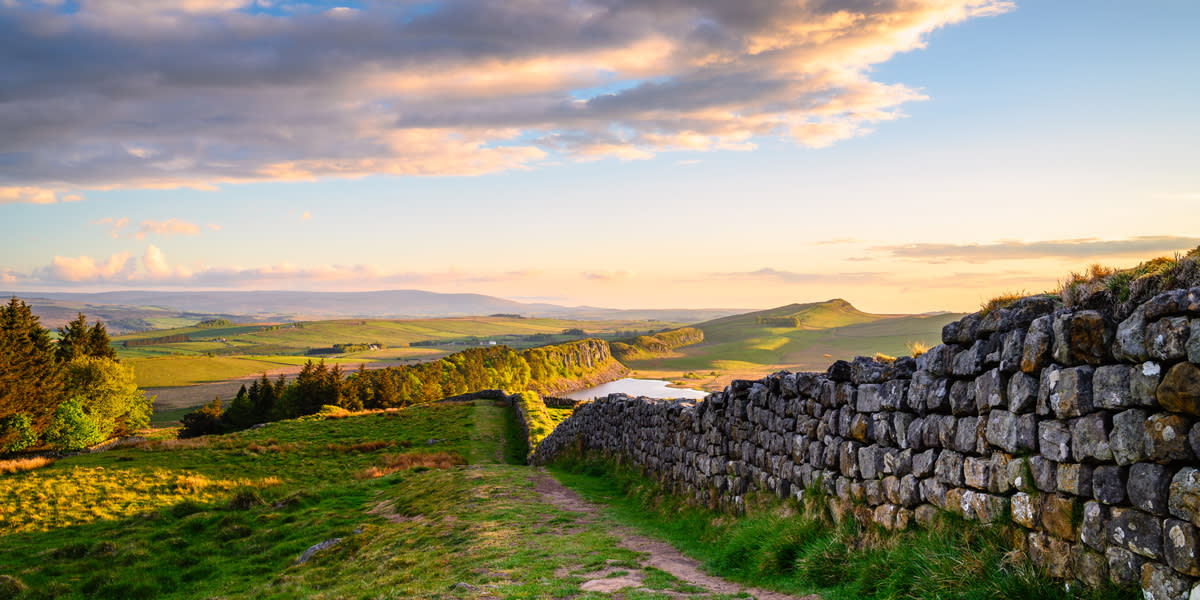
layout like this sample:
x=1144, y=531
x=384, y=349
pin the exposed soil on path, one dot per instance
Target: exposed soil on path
x=660, y=555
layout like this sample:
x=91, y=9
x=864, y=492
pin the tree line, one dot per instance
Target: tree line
x=64, y=395
x=319, y=385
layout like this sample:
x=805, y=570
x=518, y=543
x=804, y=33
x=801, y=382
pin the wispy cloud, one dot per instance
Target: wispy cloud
x=165, y=228
x=799, y=278
x=1081, y=248
x=606, y=275
x=198, y=93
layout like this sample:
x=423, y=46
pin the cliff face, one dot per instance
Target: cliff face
x=572, y=366
x=1079, y=424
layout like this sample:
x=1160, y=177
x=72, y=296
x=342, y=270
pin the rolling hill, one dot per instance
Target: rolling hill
x=756, y=343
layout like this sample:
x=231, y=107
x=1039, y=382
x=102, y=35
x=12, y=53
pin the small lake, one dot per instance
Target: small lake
x=652, y=388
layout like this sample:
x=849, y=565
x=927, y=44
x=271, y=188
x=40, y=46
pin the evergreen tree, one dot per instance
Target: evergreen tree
x=30, y=377
x=205, y=420
x=98, y=343
x=76, y=339
x=240, y=413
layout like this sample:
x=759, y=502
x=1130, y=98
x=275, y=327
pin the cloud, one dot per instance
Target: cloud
x=87, y=269
x=606, y=275
x=116, y=225
x=160, y=94
x=305, y=216
x=166, y=228
x=1081, y=248
x=31, y=194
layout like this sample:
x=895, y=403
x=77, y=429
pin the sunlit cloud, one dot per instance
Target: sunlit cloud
x=162, y=94
x=1082, y=248
x=799, y=278
x=166, y=228
x=86, y=269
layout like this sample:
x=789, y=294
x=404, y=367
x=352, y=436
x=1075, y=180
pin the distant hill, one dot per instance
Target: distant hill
x=126, y=308
x=795, y=337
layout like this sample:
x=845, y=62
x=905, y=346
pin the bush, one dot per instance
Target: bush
x=72, y=429
x=205, y=420
x=18, y=430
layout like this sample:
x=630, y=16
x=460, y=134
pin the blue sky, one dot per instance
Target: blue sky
x=1064, y=130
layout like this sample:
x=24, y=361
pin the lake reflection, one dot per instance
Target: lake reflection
x=652, y=388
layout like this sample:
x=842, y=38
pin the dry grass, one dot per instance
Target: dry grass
x=403, y=462
x=1002, y=301
x=917, y=348
x=373, y=446
x=884, y=358
x=273, y=447
x=18, y=465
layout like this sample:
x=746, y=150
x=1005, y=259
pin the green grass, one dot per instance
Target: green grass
x=228, y=517
x=176, y=371
x=537, y=418
x=797, y=549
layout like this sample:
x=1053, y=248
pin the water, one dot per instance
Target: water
x=652, y=388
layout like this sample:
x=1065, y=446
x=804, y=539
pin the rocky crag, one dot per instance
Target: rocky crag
x=1078, y=424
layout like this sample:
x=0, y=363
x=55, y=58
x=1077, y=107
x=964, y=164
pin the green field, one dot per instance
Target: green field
x=742, y=347
x=222, y=353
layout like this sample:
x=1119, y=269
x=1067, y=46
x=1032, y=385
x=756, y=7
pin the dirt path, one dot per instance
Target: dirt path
x=660, y=555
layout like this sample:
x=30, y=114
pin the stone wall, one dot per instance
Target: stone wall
x=1079, y=425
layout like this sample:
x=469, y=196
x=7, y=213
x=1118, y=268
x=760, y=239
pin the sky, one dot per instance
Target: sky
x=908, y=156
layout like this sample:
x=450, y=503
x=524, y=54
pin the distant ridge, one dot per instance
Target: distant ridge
x=383, y=303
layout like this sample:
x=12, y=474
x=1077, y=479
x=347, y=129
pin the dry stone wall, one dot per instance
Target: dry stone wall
x=1078, y=425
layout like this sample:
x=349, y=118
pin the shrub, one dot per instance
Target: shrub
x=72, y=429
x=205, y=420
x=18, y=430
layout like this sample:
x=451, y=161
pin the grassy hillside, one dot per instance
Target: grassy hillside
x=752, y=344
x=230, y=517
x=246, y=349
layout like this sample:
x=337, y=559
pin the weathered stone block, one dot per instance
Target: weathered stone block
x=1044, y=473
x=1193, y=343
x=969, y=362
x=1089, y=437
x=1092, y=528
x=1051, y=554
x=937, y=396
x=900, y=422
x=1143, y=383
x=1000, y=477
x=934, y=492
x=947, y=430
x=1010, y=432
x=1022, y=393
x=1180, y=389
x=966, y=434
x=1108, y=483
x=868, y=398
x=1183, y=500
x=1074, y=479
x=961, y=331
x=1130, y=340
x=1149, y=487
x=990, y=390
x=949, y=468
x=983, y=507
x=962, y=398
x=1058, y=516
x=1038, y=340
x=1162, y=583
x=1011, y=350
x=1026, y=512
x=1054, y=440
x=923, y=463
x=1072, y=397
x=1090, y=567
x=893, y=394
x=910, y=491
x=939, y=359
x=1128, y=436
x=1166, y=339
x=1124, y=567
x=1082, y=337
x=1136, y=531
x=976, y=472
x=1181, y=545
x=1166, y=437
x=1110, y=387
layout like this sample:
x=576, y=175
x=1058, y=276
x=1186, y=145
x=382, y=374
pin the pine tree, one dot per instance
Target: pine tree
x=30, y=377
x=98, y=343
x=73, y=339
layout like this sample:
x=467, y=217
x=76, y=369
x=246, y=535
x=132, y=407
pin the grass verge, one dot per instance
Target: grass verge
x=797, y=549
